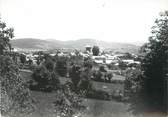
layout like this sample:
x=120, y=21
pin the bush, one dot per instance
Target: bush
x=102, y=76
x=46, y=80
x=49, y=64
x=75, y=75
x=122, y=65
x=61, y=66
x=68, y=103
x=22, y=58
x=81, y=76
x=112, y=66
x=85, y=83
x=15, y=93
x=117, y=95
x=98, y=94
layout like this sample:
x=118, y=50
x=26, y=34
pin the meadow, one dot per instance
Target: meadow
x=44, y=101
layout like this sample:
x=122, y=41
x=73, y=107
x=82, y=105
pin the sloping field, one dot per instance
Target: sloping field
x=99, y=108
x=95, y=108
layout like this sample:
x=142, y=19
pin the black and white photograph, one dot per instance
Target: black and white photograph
x=83, y=58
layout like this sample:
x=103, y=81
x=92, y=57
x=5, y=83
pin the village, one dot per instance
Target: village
x=103, y=57
x=115, y=63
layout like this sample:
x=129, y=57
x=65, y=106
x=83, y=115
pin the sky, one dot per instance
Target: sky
x=107, y=20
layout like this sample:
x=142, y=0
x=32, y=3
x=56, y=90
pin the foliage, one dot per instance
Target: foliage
x=155, y=65
x=132, y=86
x=102, y=75
x=102, y=69
x=13, y=88
x=127, y=56
x=88, y=63
x=97, y=75
x=81, y=76
x=46, y=77
x=40, y=57
x=95, y=50
x=22, y=58
x=122, y=65
x=61, y=66
x=112, y=66
x=5, y=35
x=85, y=84
x=150, y=82
x=74, y=74
x=109, y=76
x=68, y=103
x=49, y=64
x=98, y=94
x=15, y=94
x=78, y=60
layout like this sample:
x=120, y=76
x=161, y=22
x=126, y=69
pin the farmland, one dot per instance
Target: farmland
x=95, y=108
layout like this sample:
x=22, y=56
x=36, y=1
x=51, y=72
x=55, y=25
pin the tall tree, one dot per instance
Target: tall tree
x=95, y=50
x=15, y=94
x=155, y=65
x=150, y=84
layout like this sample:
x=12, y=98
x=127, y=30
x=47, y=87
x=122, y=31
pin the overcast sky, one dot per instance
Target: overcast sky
x=108, y=20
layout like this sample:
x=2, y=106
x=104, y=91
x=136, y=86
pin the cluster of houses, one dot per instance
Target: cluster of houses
x=102, y=58
x=108, y=58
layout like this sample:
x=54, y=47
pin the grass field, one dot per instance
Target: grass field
x=109, y=87
x=95, y=108
x=99, y=108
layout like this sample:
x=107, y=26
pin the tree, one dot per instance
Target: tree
x=102, y=69
x=85, y=83
x=49, y=64
x=81, y=76
x=40, y=57
x=122, y=65
x=23, y=58
x=151, y=85
x=75, y=76
x=95, y=50
x=15, y=93
x=61, y=66
x=5, y=35
x=46, y=77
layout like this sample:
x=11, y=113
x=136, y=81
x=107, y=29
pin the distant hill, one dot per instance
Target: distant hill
x=30, y=43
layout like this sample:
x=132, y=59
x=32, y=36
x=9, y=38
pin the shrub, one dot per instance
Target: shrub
x=15, y=92
x=102, y=69
x=49, y=64
x=122, y=65
x=98, y=94
x=22, y=58
x=68, y=103
x=75, y=75
x=102, y=76
x=46, y=80
x=61, y=66
x=117, y=95
x=97, y=76
x=112, y=66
